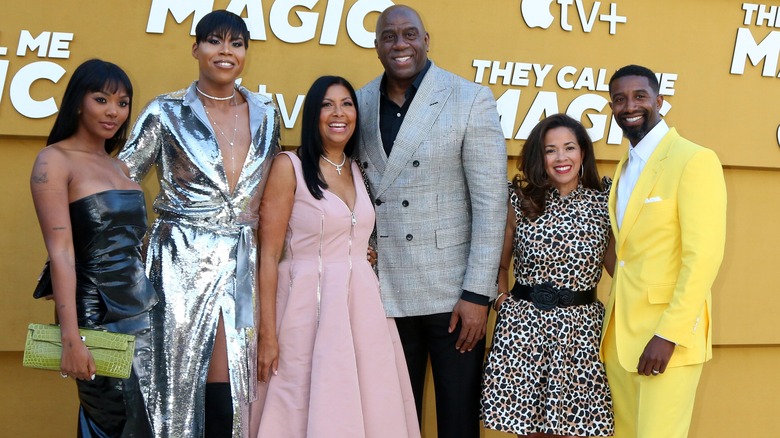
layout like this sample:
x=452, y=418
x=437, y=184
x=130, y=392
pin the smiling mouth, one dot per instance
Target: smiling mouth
x=338, y=127
x=562, y=169
x=225, y=64
x=402, y=59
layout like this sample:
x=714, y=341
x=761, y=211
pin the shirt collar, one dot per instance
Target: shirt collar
x=415, y=85
x=553, y=193
x=647, y=145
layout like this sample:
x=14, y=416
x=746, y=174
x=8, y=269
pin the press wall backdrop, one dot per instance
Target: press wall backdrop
x=717, y=62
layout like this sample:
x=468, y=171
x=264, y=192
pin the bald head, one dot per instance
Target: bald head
x=401, y=44
x=394, y=10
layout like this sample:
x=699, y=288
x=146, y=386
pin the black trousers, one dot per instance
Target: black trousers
x=457, y=377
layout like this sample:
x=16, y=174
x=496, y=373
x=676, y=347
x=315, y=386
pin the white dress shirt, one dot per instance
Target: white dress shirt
x=637, y=159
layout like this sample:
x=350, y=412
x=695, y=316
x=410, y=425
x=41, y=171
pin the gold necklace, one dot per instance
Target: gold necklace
x=230, y=141
x=337, y=166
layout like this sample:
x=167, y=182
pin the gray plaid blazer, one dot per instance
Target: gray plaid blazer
x=440, y=195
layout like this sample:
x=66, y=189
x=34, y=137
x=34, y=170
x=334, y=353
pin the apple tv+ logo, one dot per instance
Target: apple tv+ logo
x=536, y=13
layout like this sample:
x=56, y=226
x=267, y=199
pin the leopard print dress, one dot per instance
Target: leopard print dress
x=543, y=373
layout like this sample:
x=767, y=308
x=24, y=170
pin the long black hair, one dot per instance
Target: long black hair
x=311, y=140
x=92, y=76
x=532, y=183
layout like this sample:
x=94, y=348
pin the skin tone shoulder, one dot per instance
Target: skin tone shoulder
x=64, y=172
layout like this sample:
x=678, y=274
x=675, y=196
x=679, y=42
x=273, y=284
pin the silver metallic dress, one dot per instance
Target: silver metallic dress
x=202, y=254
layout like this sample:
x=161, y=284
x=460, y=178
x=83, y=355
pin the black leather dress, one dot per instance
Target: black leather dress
x=113, y=293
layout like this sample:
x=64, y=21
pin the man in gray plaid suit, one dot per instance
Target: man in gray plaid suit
x=434, y=154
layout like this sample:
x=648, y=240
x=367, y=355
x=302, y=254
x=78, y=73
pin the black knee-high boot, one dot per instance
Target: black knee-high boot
x=219, y=410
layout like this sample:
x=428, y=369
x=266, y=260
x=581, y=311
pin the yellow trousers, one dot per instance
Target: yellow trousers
x=649, y=406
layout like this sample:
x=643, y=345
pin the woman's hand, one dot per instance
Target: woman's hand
x=371, y=256
x=267, y=358
x=76, y=360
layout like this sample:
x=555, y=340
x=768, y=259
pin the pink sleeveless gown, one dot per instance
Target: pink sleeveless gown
x=342, y=371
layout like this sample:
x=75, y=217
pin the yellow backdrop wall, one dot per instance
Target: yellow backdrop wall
x=718, y=61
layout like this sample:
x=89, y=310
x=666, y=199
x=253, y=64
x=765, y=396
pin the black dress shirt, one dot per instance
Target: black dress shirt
x=391, y=116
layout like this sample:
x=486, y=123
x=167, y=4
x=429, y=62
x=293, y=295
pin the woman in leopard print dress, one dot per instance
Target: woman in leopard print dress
x=543, y=376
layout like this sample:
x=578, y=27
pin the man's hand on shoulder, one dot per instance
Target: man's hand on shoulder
x=473, y=320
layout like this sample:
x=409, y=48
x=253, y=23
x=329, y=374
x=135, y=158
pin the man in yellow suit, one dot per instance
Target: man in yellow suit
x=668, y=210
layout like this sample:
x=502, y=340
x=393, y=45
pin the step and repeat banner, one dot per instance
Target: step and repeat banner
x=717, y=60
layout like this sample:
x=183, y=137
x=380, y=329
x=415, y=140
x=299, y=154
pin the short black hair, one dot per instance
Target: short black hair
x=92, y=76
x=223, y=24
x=311, y=150
x=637, y=70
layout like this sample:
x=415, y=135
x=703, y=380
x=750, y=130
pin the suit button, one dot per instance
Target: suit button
x=405, y=203
x=416, y=163
x=622, y=263
x=409, y=237
x=378, y=202
x=365, y=165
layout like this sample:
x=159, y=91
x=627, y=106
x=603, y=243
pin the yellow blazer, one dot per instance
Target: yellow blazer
x=669, y=249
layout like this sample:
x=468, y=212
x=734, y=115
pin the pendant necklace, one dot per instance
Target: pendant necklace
x=337, y=166
x=231, y=141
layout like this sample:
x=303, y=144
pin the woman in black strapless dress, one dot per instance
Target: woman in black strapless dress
x=93, y=219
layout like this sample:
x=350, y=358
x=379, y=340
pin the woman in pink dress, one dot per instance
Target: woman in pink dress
x=330, y=362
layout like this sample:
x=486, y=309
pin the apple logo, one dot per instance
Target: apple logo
x=536, y=13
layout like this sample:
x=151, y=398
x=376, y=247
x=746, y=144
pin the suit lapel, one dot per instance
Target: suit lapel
x=645, y=184
x=372, y=136
x=422, y=114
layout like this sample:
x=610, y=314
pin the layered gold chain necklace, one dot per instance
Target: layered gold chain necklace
x=231, y=141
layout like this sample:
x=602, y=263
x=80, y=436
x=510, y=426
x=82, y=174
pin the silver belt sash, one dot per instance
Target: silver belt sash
x=243, y=284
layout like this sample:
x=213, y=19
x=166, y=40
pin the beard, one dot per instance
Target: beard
x=635, y=134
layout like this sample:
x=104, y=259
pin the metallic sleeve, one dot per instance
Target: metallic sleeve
x=144, y=142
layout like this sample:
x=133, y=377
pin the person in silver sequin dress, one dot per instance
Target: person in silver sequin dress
x=212, y=144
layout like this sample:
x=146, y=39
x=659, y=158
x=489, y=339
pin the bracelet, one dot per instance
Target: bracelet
x=495, y=302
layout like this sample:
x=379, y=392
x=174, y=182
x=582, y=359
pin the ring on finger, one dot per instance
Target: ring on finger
x=655, y=372
x=63, y=375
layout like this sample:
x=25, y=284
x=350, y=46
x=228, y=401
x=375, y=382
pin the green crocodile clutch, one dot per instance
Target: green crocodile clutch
x=112, y=352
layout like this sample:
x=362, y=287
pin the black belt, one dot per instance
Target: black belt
x=546, y=297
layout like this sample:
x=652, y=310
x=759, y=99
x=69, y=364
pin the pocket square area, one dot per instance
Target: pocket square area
x=653, y=199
